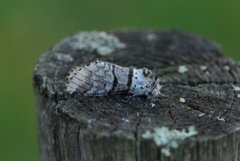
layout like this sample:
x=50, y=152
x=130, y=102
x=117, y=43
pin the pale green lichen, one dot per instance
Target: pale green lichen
x=182, y=100
x=220, y=118
x=203, y=67
x=226, y=67
x=236, y=88
x=63, y=57
x=151, y=37
x=169, y=139
x=182, y=69
x=99, y=41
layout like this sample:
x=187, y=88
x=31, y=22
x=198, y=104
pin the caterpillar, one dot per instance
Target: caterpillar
x=101, y=78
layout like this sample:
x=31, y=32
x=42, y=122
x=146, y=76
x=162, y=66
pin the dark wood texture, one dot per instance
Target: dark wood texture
x=75, y=128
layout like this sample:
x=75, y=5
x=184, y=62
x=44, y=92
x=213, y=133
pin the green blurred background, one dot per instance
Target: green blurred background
x=29, y=28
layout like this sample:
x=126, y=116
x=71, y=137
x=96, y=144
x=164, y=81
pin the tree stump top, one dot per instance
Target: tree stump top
x=201, y=87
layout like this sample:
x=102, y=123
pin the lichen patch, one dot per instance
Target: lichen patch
x=236, y=88
x=201, y=114
x=182, y=69
x=99, y=41
x=220, y=118
x=169, y=139
x=67, y=58
x=182, y=100
x=203, y=67
x=151, y=37
x=153, y=104
x=226, y=67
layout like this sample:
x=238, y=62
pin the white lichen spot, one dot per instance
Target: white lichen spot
x=149, y=119
x=153, y=104
x=226, y=67
x=89, y=121
x=151, y=37
x=63, y=57
x=169, y=139
x=44, y=82
x=207, y=73
x=236, y=88
x=238, y=96
x=182, y=69
x=101, y=42
x=125, y=120
x=203, y=67
x=201, y=114
x=182, y=100
x=220, y=118
x=104, y=51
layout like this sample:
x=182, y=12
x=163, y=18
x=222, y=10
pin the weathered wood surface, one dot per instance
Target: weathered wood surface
x=73, y=128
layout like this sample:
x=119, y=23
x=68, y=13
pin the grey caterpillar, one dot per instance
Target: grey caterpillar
x=101, y=78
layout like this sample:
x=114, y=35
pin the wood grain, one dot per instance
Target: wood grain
x=77, y=128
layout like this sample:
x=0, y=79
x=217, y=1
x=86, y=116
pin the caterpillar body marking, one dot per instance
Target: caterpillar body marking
x=101, y=78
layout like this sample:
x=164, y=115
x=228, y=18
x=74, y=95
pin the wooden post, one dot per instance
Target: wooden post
x=200, y=87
